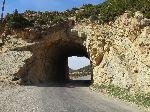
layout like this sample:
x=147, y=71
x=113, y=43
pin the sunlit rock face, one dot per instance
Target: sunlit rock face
x=118, y=51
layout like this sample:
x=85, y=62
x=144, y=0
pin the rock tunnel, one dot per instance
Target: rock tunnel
x=49, y=61
x=57, y=65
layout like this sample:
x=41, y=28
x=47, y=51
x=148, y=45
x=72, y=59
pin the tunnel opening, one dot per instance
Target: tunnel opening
x=57, y=68
x=79, y=68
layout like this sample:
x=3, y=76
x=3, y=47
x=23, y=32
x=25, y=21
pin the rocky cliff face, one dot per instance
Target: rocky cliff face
x=119, y=52
x=36, y=56
x=12, y=60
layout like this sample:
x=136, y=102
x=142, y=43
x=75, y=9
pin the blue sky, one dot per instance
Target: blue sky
x=77, y=62
x=45, y=5
x=51, y=5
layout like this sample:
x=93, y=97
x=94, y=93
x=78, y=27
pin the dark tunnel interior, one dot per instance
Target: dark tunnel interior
x=57, y=65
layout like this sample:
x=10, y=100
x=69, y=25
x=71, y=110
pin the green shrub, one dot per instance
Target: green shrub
x=17, y=20
x=93, y=18
x=57, y=20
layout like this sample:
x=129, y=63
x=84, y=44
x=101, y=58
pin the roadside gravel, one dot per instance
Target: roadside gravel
x=73, y=96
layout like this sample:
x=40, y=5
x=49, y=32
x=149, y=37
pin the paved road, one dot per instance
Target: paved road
x=73, y=96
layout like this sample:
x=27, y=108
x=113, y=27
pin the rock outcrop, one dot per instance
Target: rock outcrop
x=37, y=56
x=119, y=52
x=12, y=60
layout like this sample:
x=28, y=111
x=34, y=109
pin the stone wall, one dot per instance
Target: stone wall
x=119, y=51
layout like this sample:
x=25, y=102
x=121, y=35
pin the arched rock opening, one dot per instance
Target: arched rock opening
x=57, y=64
x=49, y=61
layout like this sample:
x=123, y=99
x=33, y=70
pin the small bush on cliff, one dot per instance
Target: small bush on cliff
x=17, y=20
x=57, y=20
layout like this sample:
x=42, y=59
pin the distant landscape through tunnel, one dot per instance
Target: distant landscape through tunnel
x=79, y=67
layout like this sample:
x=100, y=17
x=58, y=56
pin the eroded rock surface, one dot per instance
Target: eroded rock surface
x=12, y=60
x=119, y=52
x=36, y=56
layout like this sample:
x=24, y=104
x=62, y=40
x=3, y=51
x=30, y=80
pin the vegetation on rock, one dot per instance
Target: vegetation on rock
x=122, y=93
x=17, y=20
x=110, y=9
x=101, y=13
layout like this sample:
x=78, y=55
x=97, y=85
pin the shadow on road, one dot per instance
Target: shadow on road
x=69, y=84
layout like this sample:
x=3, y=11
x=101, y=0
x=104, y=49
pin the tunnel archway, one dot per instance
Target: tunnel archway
x=50, y=52
x=57, y=67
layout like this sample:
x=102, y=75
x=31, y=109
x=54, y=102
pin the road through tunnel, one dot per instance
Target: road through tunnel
x=49, y=61
x=57, y=67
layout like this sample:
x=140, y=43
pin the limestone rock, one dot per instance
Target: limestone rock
x=125, y=59
x=119, y=52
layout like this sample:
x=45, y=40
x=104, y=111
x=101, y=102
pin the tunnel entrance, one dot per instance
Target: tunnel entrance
x=50, y=57
x=57, y=68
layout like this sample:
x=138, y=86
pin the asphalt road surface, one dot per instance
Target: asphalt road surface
x=73, y=96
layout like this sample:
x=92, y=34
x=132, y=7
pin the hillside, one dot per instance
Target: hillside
x=101, y=13
x=87, y=70
x=70, y=70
